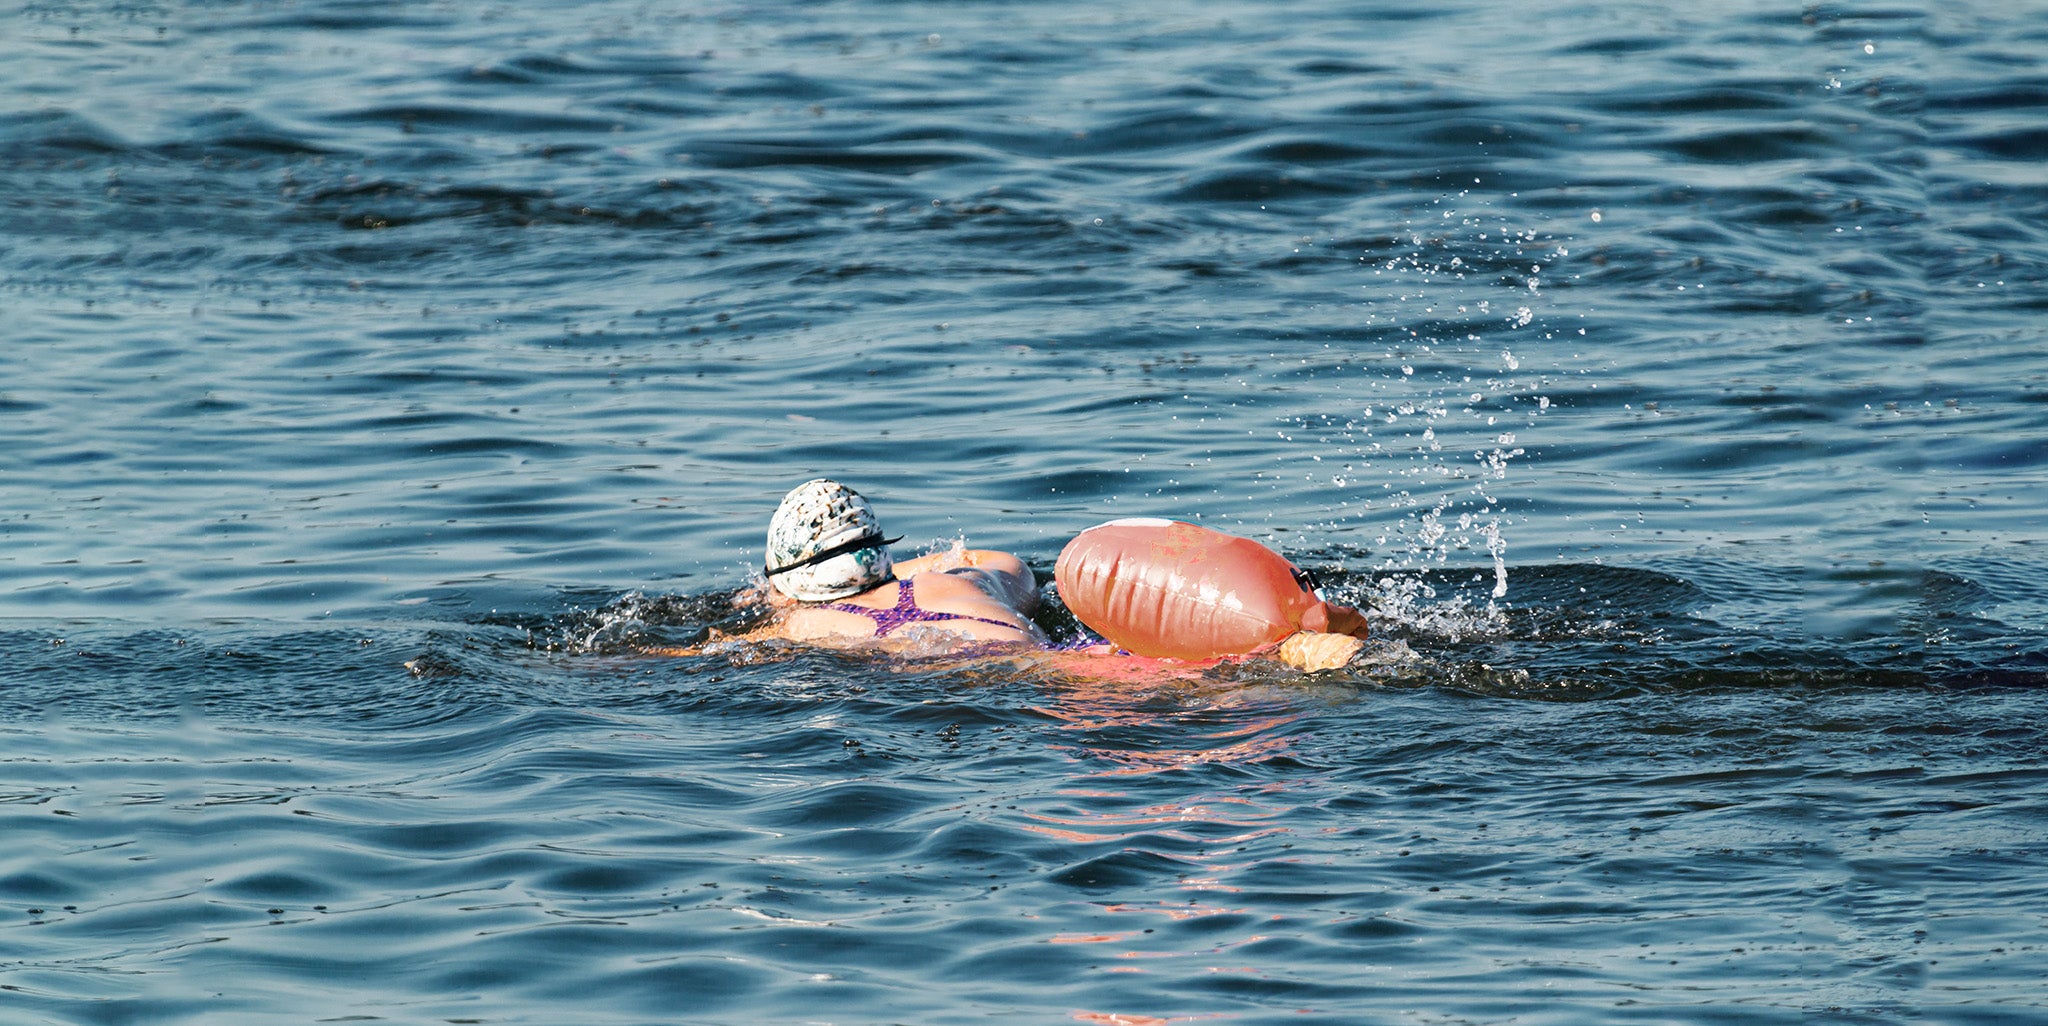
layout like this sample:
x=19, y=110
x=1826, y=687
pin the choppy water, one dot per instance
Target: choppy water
x=1668, y=379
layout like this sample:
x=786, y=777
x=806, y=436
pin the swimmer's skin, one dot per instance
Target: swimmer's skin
x=966, y=582
x=987, y=584
x=1314, y=650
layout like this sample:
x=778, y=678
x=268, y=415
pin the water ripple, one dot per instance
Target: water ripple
x=383, y=378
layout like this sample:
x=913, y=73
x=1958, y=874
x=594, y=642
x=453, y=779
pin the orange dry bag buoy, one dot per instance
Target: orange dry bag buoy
x=1174, y=590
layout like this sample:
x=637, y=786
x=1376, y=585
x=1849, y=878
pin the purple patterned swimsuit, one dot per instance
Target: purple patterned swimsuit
x=907, y=612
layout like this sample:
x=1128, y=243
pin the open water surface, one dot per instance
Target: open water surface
x=1667, y=379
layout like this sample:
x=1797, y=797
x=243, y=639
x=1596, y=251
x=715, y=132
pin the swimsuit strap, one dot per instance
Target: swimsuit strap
x=906, y=611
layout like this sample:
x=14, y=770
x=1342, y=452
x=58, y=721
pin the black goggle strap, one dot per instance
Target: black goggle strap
x=1307, y=579
x=866, y=541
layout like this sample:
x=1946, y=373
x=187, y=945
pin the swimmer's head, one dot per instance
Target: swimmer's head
x=824, y=543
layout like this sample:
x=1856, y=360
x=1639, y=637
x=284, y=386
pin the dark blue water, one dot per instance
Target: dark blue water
x=1669, y=382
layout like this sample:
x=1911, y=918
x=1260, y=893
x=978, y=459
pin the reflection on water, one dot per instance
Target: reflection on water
x=1102, y=711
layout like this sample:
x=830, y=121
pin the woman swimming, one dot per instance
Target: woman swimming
x=831, y=582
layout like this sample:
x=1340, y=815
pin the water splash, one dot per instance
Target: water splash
x=634, y=621
x=1460, y=307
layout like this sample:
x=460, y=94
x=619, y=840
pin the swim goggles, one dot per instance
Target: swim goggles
x=866, y=541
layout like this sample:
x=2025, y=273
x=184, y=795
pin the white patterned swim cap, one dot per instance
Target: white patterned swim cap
x=825, y=543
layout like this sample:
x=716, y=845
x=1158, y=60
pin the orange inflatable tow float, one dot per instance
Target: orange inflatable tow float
x=1173, y=590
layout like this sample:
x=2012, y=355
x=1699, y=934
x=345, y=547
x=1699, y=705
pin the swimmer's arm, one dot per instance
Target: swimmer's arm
x=680, y=651
x=1309, y=651
x=1334, y=619
x=774, y=629
x=711, y=643
x=1330, y=636
x=716, y=637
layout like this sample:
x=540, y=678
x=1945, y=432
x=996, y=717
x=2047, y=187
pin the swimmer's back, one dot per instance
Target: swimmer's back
x=976, y=594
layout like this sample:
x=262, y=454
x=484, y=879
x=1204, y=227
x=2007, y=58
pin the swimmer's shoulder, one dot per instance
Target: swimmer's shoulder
x=937, y=588
x=959, y=559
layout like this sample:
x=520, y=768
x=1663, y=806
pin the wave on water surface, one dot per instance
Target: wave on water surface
x=382, y=378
